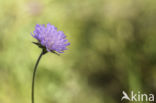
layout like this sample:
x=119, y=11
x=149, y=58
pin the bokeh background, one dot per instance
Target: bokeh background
x=113, y=48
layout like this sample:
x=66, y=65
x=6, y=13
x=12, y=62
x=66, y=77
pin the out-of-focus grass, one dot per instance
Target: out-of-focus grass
x=112, y=49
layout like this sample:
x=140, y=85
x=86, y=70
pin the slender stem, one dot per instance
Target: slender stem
x=34, y=74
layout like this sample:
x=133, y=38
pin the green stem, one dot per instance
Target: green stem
x=34, y=74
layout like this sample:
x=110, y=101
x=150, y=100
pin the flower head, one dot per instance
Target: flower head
x=50, y=39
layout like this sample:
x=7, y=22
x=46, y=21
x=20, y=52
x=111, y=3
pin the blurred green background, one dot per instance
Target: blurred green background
x=113, y=48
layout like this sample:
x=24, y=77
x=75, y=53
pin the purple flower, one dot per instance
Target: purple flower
x=50, y=39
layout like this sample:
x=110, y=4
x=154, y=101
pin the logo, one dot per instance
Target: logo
x=137, y=96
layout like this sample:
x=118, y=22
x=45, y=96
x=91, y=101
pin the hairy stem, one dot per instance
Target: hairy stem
x=34, y=74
